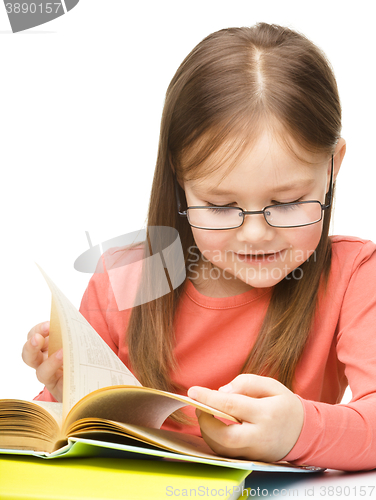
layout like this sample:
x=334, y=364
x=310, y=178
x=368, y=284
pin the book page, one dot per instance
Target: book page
x=54, y=409
x=89, y=363
x=55, y=342
x=114, y=434
x=32, y=425
x=133, y=405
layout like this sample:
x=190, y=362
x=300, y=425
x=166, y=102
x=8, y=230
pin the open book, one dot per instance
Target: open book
x=104, y=405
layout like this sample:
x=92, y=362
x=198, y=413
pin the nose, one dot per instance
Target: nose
x=255, y=229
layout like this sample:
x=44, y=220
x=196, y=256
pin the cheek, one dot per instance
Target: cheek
x=306, y=238
x=208, y=241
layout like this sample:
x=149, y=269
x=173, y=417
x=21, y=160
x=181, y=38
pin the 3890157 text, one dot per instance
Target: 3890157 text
x=33, y=8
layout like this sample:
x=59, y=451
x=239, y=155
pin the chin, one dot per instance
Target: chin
x=265, y=278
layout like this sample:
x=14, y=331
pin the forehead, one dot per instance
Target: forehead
x=267, y=163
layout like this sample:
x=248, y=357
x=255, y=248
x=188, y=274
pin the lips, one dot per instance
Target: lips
x=260, y=257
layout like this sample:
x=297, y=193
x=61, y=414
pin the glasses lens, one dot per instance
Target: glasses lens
x=294, y=214
x=215, y=217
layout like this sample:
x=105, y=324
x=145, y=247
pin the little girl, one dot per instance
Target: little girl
x=275, y=318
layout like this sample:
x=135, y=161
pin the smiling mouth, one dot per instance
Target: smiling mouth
x=260, y=257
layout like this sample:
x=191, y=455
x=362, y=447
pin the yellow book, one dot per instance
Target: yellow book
x=28, y=478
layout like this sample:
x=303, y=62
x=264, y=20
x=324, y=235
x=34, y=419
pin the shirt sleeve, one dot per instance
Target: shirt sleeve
x=343, y=436
x=45, y=396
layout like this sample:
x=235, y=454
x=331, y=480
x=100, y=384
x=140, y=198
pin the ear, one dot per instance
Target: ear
x=339, y=154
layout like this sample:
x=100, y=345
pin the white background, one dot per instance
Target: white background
x=80, y=105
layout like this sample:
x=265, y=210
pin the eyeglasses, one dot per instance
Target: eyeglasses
x=297, y=214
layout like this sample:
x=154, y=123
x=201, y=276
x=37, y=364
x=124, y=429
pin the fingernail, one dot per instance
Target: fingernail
x=46, y=326
x=59, y=354
x=192, y=393
x=34, y=341
x=226, y=388
x=198, y=412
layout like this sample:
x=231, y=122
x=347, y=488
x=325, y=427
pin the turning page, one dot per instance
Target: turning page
x=89, y=363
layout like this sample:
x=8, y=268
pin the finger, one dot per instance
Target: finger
x=33, y=350
x=223, y=439
x=42, y=328
x=255, y=386
x=237, y=405
x=50, y=371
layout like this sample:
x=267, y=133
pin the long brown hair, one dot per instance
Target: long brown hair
x=231, y=84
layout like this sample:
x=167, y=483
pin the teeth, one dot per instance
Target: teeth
x=258, y=254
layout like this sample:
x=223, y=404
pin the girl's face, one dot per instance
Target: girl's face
x=256, y=254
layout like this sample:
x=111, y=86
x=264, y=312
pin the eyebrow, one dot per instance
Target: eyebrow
x=299, y=184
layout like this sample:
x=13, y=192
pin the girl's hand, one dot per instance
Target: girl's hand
x=271, y=418
x=49, y=370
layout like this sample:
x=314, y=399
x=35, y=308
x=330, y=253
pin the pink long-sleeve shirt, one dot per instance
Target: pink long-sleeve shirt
x=215, y=335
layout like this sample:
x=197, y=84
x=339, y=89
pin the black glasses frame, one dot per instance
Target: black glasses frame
x=328, y=199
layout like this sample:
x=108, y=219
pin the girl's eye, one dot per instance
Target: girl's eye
x=281, y=205
x=286, y=206
x=220, y=208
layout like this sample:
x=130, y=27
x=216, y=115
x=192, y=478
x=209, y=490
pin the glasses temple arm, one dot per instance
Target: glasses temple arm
x=178, y=202
x=329, y=194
